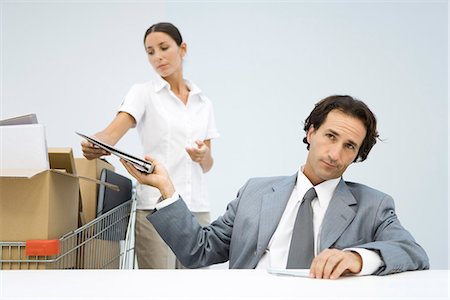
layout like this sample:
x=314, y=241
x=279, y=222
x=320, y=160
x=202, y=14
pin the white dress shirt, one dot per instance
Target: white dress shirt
x=166, y=126
x=276, y=255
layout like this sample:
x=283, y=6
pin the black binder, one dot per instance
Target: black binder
x=108, y=198
x=108, y=228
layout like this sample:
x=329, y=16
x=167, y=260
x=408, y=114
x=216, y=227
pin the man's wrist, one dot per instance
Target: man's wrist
x=371, y=260
x=358, y=261
x=167, y=192
x=164, y=203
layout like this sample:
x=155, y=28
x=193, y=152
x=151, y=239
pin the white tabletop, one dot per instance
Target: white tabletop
x=215, y=284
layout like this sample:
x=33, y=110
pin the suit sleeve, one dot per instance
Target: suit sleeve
x=395, y=245
x=195, y=246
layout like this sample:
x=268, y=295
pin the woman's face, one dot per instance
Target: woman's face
x=164, y=54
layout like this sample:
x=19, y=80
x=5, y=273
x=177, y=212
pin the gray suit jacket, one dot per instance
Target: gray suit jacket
x=357, y=216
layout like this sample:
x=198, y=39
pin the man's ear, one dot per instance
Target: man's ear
x=309, y=133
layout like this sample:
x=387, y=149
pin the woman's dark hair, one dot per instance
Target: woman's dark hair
x=352, y=107
x=167, y=28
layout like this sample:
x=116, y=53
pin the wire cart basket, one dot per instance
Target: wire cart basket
x=106, y=242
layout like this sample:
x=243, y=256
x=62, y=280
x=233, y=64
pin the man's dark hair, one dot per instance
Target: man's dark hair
x=167, y=28
x=352, y=107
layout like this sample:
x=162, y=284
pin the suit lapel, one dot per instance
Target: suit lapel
x=338, y=215
x=272, y=208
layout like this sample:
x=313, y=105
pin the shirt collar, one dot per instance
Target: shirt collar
x=160, y=83
x=324, y=190
x=193, y=89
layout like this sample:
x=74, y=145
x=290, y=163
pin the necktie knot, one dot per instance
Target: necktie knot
x=309, y=195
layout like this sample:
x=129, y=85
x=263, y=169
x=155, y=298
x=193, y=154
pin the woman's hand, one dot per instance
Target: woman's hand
x=159, y=179
x=198, y=153
x=91, y=151
x=201, y=154
x=110, y=135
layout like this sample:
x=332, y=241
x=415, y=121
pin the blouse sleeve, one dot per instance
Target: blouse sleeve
x=134, y=102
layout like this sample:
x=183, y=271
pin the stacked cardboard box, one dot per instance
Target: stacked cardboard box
x=44, y=197
x=38, y=205
x=89, y=189
x=96, y=253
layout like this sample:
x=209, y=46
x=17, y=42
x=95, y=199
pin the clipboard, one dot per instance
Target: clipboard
x=140, y=164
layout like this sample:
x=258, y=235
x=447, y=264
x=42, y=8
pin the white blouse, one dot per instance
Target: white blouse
x=166, y=126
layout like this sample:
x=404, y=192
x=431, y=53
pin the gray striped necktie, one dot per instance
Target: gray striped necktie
x=301, y=251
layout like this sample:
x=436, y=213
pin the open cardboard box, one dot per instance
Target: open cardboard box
x=38, y=204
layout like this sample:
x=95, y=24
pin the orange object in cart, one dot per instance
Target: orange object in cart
x=42, y=247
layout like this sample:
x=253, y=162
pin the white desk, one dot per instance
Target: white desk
x=215, y=284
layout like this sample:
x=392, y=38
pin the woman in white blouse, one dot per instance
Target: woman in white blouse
x=175, y=122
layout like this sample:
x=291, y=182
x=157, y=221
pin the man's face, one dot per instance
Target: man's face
x=333, y=146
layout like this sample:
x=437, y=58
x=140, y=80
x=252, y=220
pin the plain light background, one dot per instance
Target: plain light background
x=264, y=65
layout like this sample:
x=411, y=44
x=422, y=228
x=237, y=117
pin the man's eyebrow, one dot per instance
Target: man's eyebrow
x=333, y=132
x=351, y=142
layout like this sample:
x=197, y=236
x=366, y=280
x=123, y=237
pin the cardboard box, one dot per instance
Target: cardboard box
x=89, y=189
x=38, y=204
x=44, y=206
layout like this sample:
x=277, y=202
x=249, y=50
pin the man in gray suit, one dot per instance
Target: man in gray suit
x=354, y=228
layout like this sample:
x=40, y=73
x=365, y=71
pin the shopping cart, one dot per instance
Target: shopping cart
x=104, y=243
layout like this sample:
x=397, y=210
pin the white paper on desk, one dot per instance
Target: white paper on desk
x=290, y=272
